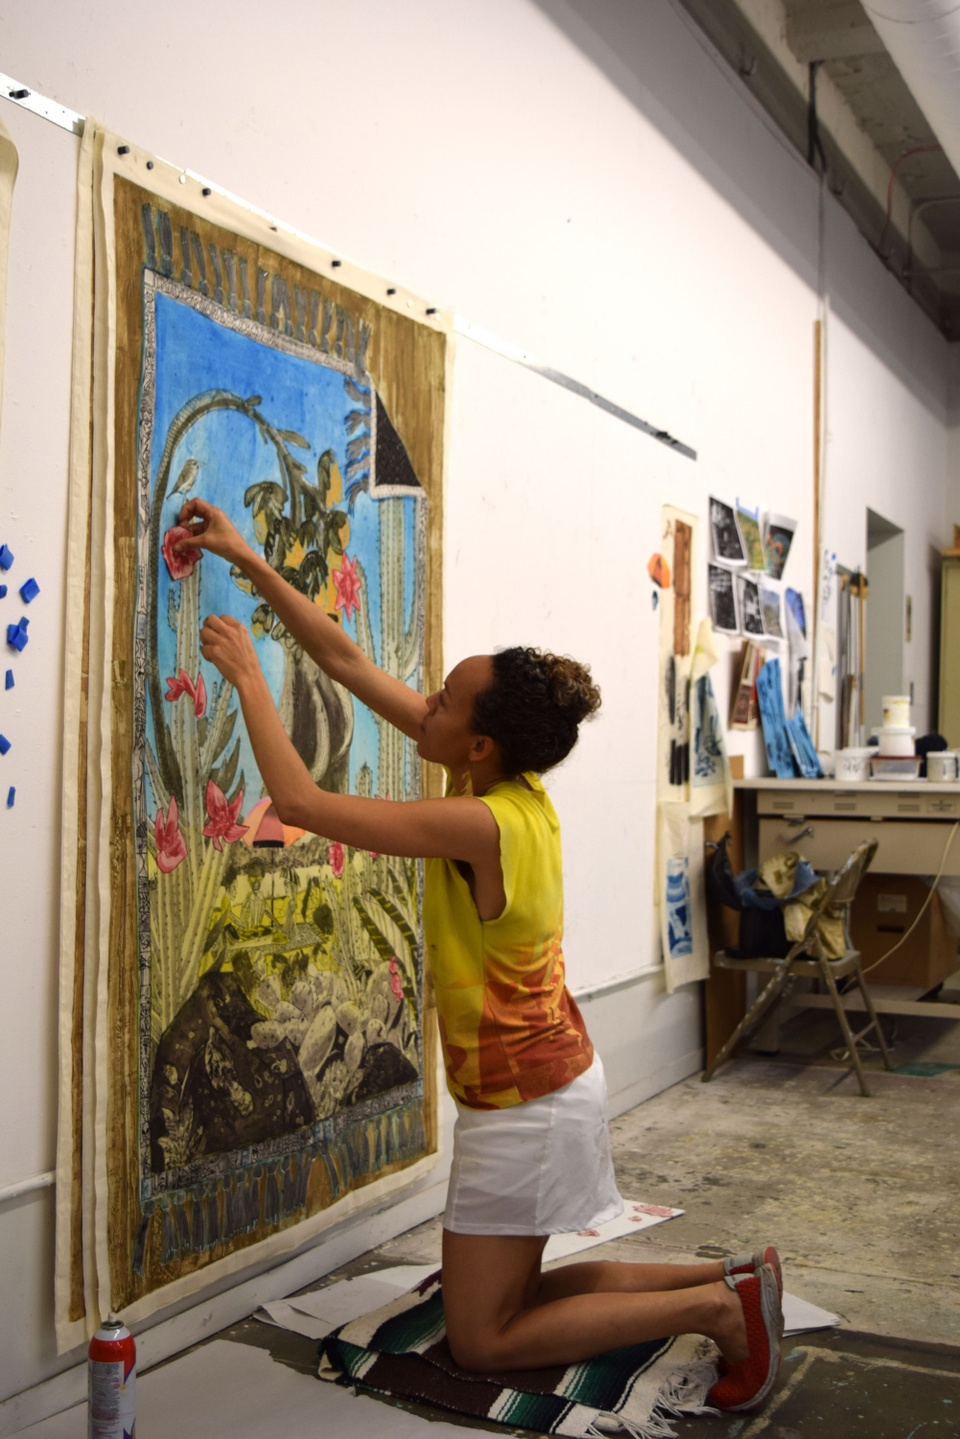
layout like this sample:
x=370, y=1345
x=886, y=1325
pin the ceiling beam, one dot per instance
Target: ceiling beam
x=831, y=32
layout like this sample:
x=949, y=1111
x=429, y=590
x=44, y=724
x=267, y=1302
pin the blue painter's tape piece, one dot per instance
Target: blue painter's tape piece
x=29, y=590
x=17, y=637
x=24, y=622
x=3, y=592
x=8, y=683
x=4, y=744
x=11, y=796
x=6, y=557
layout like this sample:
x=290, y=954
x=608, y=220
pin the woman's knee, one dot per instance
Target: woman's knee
x=476, y=1348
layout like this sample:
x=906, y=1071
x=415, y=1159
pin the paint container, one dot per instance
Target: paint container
x=942, y=766
x=895, y=741
x=896, y=711
x=112, y=1382
x=852, y=765
x=896, y=767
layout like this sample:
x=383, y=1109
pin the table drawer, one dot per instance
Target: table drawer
x=877, y=800
x=903, y=848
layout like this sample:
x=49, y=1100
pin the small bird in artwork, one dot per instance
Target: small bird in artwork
x=186, y=478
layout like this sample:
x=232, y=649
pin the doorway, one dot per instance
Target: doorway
x=883, y=649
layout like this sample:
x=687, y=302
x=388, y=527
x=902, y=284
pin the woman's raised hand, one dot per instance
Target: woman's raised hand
x=210, y=529
x=226, y=643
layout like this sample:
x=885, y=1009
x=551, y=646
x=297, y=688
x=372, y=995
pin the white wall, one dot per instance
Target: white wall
x=587, y=181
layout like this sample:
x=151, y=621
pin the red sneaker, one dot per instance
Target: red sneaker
x=750, y=1263
x=747, y=1384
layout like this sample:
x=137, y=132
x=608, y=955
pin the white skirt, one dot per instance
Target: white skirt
x=542, y=1167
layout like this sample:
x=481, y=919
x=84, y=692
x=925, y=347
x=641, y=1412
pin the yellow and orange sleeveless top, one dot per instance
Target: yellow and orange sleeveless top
x=509, y=1028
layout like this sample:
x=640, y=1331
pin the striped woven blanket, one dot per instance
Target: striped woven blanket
x=400, y=1352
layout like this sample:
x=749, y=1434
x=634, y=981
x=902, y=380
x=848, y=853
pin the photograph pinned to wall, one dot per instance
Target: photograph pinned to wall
x=723, y=599
x=777, y=538
x=774, y=721
x=798, y=648
x=770, y=610
x=711, y=783
x=744, y=710
x=795, y=610
x=748, y=601
x=749, y=523
x=681, y=896
x=727, y=541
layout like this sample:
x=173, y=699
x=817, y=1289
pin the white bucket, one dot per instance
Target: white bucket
x=853, y=764
x=942, y=765
x=895, y=741
x=896, y=711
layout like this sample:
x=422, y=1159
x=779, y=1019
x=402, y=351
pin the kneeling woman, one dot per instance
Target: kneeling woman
x=531, y=1150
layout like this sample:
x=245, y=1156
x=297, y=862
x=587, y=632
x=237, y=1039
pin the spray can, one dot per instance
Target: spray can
x=112, y=1382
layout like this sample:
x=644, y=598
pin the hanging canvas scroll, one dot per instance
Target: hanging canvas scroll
x=247, y=1058
x=679, y=891
x=9, y=163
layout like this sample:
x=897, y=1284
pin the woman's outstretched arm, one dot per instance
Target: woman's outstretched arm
x=321, y=637
x=461, y=829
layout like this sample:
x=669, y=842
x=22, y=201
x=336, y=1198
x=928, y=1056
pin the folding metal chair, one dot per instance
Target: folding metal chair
x=807, y=958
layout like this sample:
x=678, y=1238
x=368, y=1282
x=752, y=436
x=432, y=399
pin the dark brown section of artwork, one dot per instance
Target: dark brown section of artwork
x=406, y=362
x=681, y=588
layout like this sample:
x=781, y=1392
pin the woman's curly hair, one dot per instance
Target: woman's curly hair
x=534, y=707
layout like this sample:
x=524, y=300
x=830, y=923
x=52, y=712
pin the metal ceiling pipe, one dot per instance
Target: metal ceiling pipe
x=922, y=38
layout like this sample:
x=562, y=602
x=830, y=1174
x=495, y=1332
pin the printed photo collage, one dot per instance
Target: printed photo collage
x=745, y=576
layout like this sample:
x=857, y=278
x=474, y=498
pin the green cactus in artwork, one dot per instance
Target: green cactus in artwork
x=191, y=747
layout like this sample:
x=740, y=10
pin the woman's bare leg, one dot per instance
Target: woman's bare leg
x=496, y=1320
x=611, y=1276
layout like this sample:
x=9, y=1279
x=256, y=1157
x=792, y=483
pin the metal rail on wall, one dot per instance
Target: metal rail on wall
x=58, y=114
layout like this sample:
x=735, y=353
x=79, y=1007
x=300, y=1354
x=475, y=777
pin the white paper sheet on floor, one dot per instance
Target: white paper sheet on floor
x=226, y=1390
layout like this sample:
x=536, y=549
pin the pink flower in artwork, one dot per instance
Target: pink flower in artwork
x=171, y=846
x=588, y=1233
x=336, y=857
x=223, y=816
x=346, y=582
x=179, y=685
x=184, y=685
x=200, y=697
x=657, y=1211
x=179, y=565
x=396, y=983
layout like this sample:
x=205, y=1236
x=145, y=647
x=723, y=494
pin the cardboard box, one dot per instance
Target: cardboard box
x=885, y=907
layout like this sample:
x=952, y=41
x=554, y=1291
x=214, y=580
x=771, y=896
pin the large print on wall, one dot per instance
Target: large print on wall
x=247, y=1057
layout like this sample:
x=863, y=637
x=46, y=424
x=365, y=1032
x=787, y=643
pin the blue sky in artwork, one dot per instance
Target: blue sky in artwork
x=195, y=353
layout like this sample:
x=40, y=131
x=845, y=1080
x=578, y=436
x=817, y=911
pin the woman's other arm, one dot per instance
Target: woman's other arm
x=321, y=637
x=461, y=829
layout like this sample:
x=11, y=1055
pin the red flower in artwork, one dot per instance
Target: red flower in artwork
x=179, y=565
x=223, y=816
x=396, y=983
x=200, y=697
x=179, y=685
x=336, y=858
x=171, y=846
x=184, y=685
x=347, y=585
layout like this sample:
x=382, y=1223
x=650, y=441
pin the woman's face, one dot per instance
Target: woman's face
x=447, y=732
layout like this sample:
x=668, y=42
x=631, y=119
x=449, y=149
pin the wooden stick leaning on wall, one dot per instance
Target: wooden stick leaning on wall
x=817, y=432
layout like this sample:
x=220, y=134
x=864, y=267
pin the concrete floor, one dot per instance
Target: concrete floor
x=861, y=1196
